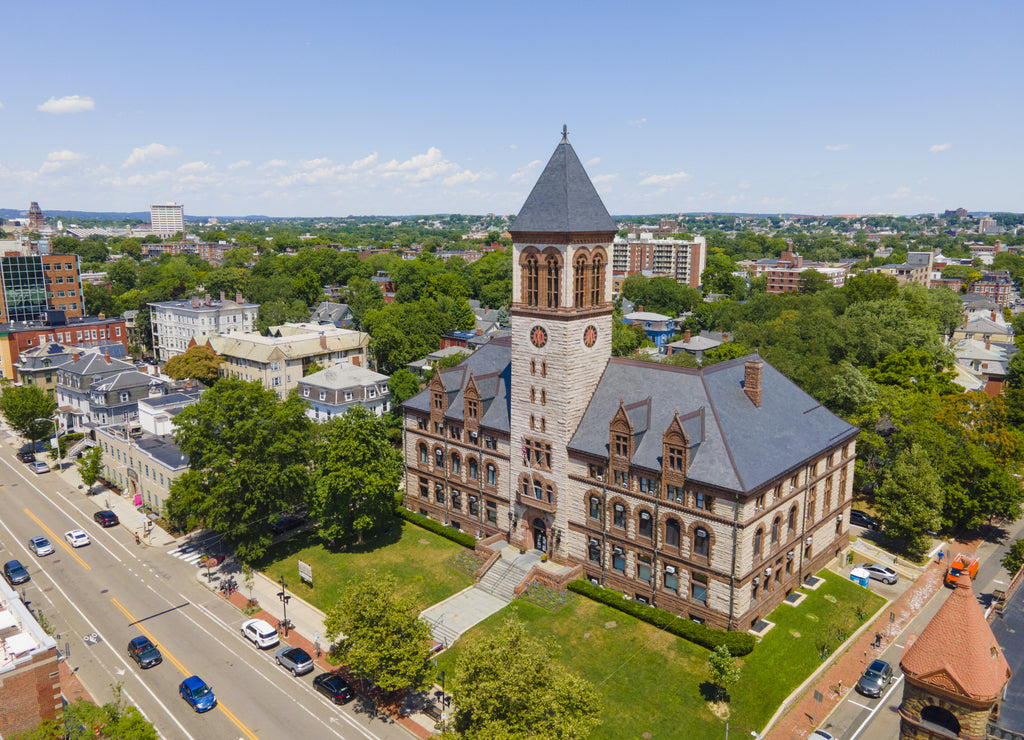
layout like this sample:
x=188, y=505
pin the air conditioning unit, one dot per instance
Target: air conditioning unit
x=474, y=435
x=808, y=541
x=789, y=555
x=600, y=479
x=839, y=518
x=617, y=551
x=757, y=580
x=594, y=542
x=670, y=569
x=767, y=572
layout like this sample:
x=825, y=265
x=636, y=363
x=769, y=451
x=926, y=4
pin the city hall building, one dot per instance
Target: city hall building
x=709, y=492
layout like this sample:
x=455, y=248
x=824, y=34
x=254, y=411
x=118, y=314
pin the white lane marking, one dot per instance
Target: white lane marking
x=874, y=711
x=105, y=641
x=857, y=704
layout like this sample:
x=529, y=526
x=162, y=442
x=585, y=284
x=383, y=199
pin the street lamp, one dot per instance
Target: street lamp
x=284, y=605
x=56, y=439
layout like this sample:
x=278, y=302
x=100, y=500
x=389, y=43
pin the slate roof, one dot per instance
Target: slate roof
x=734, y=444
x=957, y=652
x=331, y=313
x=90, y=363
x=126, y=380
x=564, y=199
x=345, y=375
x=491, y=367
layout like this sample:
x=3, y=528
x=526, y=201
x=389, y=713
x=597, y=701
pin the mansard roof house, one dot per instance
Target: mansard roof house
x=709, y=492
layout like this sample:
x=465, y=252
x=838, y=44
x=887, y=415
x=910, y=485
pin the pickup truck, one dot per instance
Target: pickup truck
x=961, y=564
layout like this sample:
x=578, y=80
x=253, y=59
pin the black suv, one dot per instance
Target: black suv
x=144, y=652
x=26, y=457
x=106, y=518
x=285, y=524
x=860, y=519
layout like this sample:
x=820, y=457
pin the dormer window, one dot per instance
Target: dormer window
x=621, y=445
x=676, y=460
x=472, y=408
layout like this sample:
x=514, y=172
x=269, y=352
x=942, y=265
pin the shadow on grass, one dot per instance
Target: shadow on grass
x=310, y=538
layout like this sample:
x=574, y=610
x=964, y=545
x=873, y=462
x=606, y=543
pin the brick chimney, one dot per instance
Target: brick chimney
x=725, y=336
x=207, y=299
x=993, y=315
x=479, y=332
x=988, y=344
x=106, y=357
x=752, y=380
x=195, y=303
x=686, y=337
x=640, y=309
x=102, y=316
x=238, y=298
x=323, y=342
x=222, y=295
x=75, y=357
x=357, y=360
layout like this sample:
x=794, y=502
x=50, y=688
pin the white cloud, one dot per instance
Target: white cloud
x=367, y=161
x=273, y=163
x=1, y=106
x=837, y=147
x=461, y=177
x=900, y=193
x=935, y=148
x=67, y=104
x=56, y=160
x=673, y=179
x=637, y=123
x=240, y=164
x=522, y=172
x=592, y=162
x=148, y=153
x=195, y=167
x=602, y=179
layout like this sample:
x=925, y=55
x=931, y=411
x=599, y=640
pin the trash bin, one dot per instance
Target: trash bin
x=860, y=576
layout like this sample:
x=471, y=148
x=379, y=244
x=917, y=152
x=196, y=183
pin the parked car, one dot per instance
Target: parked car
x=285, y=524
x=41, y=546
x=860, y=519
x=876, y=677
x=15, y=573
x=295, y=660
x=334, y=687
x=197, y=693
x=27, y=457
x=144, y=652
x=821, y=735
x=106, y=518
x=260, y=633
x=882, y=573
x=961, y=564
x=76, y=538
x=40, y=467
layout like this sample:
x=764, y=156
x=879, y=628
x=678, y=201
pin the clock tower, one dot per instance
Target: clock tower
x=561, y=339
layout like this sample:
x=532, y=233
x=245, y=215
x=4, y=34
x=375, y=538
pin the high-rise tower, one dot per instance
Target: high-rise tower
x=561, y=336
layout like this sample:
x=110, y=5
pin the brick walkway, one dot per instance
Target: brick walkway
x=295, y=639
x=840, y=677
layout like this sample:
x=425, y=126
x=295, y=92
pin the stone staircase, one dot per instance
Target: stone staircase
x=501, y=578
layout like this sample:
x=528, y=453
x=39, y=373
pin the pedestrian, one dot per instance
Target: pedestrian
x=138, y=540
x=878, y=639
x=941, y=556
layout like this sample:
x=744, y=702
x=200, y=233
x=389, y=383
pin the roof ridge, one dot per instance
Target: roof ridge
x=721, y=432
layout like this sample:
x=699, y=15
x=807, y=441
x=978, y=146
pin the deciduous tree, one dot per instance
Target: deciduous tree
x=27, y=410
x=198, y=362
x=724, y=669
x=90, y=465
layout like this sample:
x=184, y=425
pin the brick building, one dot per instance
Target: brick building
x=709, y=492
x=91, y=332
x=29, y=678
x=683, y=261
x=31, y=285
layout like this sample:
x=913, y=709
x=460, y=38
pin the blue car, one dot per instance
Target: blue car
x=199, y=696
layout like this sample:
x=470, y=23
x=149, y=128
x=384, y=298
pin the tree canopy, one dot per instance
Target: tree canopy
x=28, y=411
x=198, y=362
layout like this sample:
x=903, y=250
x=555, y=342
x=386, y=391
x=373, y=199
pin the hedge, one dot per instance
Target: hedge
x=739, y=643
x=455, y=535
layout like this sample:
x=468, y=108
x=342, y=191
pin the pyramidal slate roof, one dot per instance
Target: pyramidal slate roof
x=564, y=199
x=957, y=651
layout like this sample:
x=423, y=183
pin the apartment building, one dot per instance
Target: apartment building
x=683, y=261
x=178, y=324
x=167, y=219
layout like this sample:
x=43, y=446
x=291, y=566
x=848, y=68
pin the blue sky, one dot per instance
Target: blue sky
x=339, y=108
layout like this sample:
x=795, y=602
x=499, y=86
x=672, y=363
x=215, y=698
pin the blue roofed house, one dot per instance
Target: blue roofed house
x=659, y=328
x=711, y=492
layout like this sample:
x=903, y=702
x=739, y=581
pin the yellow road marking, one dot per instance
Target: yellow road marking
x=163, y=650
x=59, y=540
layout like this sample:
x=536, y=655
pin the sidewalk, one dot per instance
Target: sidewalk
x=306, y=630
x=795, y=718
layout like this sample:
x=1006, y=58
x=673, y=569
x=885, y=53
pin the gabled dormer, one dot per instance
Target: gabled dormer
x=620, y=445
x=472, y=408
x=438, y=399
x=675, y=452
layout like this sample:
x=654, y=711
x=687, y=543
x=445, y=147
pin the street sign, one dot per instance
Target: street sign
x=817, y=696
x=306, y=572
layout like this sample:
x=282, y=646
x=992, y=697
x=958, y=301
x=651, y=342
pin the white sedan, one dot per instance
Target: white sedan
x=76, y=538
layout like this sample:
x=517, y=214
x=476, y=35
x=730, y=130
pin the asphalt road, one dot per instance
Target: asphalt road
x=859, y=717
x=97, y=597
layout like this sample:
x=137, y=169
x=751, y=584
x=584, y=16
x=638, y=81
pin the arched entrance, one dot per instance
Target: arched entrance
x=540, y=535
x=941, y=717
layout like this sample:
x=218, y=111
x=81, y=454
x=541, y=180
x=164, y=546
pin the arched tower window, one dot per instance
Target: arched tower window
x=579, y=281
x=531, y=281
x=596, y=280
x=554, y=282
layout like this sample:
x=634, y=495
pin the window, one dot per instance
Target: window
x=619, y=516
x=323, y=396
x=492, y=475
x=471, y=408
x=579, y=281
x=596, y=471
x=594, y=551
x=775, y=532
x=531, y=281
x=305, y=392
x=643, y=572
x=474, y=470
x=621, y=445
x=554, y=282
x=456, y=464
x=596, y=280
x=492, y=512
x=533, y=367
x=125, y=397
x=671, y=579
x=674, y=493
x=699, y=587
x=455, y=433
x=595, y=508
x=474, y=506
x=490, y=443
x=439, y=493
x=792, y=520
x=703, y=501
x=348, y=396
x=675, y=459
x=672, y=533
x=456, y=499
x=758, y=535
x=759, y=503
x=701, y=546
x=424, y=488
x=810, y=507
x=646, y=525
x=619, y=560
x=438, y=458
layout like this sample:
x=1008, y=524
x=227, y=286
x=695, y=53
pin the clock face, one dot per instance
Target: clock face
x=590, y=335
x=539, y=336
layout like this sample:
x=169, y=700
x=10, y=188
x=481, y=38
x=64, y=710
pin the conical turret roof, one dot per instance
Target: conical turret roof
x=564, y=199
x=957, y=652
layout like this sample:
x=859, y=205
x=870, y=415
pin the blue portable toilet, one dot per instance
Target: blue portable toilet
x=860, y=576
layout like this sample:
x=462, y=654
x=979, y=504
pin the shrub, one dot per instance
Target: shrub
x=738, y=643
x=455, y=535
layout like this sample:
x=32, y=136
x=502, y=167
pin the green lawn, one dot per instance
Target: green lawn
x=418, y=560
x=651, y=682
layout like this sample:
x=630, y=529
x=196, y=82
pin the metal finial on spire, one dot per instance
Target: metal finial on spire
x=565, y=132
